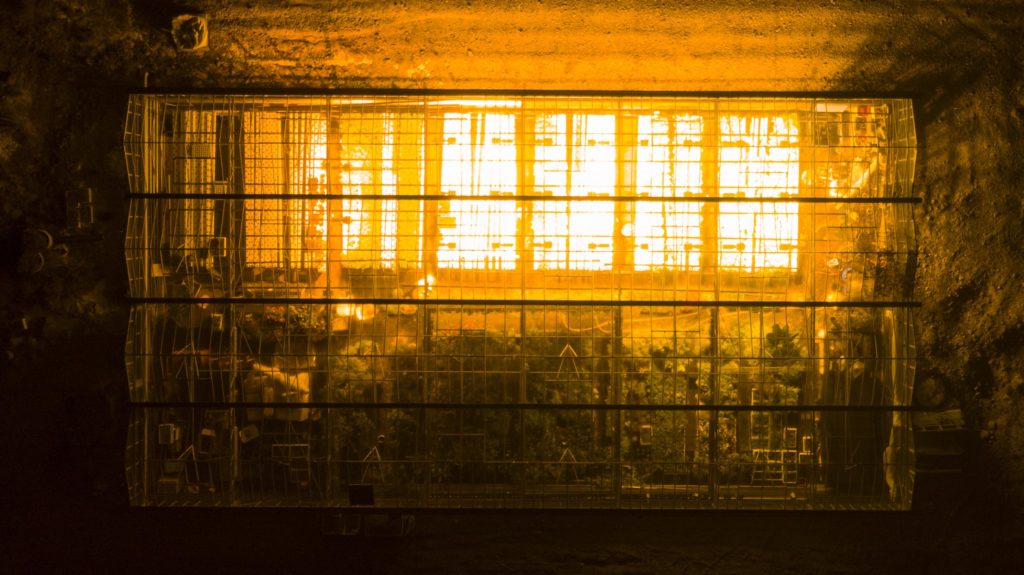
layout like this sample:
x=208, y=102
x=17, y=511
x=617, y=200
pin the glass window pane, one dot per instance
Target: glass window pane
x=758, y=158
x=575, y=156
x=667, y=234
x=478, y=158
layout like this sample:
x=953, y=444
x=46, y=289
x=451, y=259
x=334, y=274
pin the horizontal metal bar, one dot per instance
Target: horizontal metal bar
x=526, y=302
x=530, y=406
x=707, y=95
x=881, y=513
x=524, y=197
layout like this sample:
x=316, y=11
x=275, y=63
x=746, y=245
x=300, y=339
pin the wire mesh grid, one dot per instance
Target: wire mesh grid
x=528, y=301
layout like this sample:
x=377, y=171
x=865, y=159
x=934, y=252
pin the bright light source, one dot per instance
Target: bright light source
x=478, y=158
x=575, y=157
x=758, y=158
x=668, y=166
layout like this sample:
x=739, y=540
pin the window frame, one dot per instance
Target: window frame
x=625, y=196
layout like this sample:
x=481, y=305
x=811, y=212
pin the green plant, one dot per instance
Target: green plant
x=785, y=354
x=780, y=346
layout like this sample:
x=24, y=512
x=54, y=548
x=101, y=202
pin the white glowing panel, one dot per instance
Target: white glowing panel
x=667, y=234
x=478, y=158
x=758, y=157
x=575, y=157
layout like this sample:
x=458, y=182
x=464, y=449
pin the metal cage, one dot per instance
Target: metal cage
x=521, y=300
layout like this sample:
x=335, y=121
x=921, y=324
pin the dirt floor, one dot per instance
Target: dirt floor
x=66, y=67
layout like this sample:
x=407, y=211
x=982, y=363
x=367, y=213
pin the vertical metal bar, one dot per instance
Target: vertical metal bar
x=335, y=208
x=147, y=348
x=525, y=261
x=622, y=250
x=710, y=261
x=333, y=282
x=433, y=132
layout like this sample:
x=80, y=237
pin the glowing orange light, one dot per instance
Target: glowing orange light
x=574, y=155
x=668, y=165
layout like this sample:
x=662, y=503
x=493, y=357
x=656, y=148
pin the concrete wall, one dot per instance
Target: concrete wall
x=630, y=45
